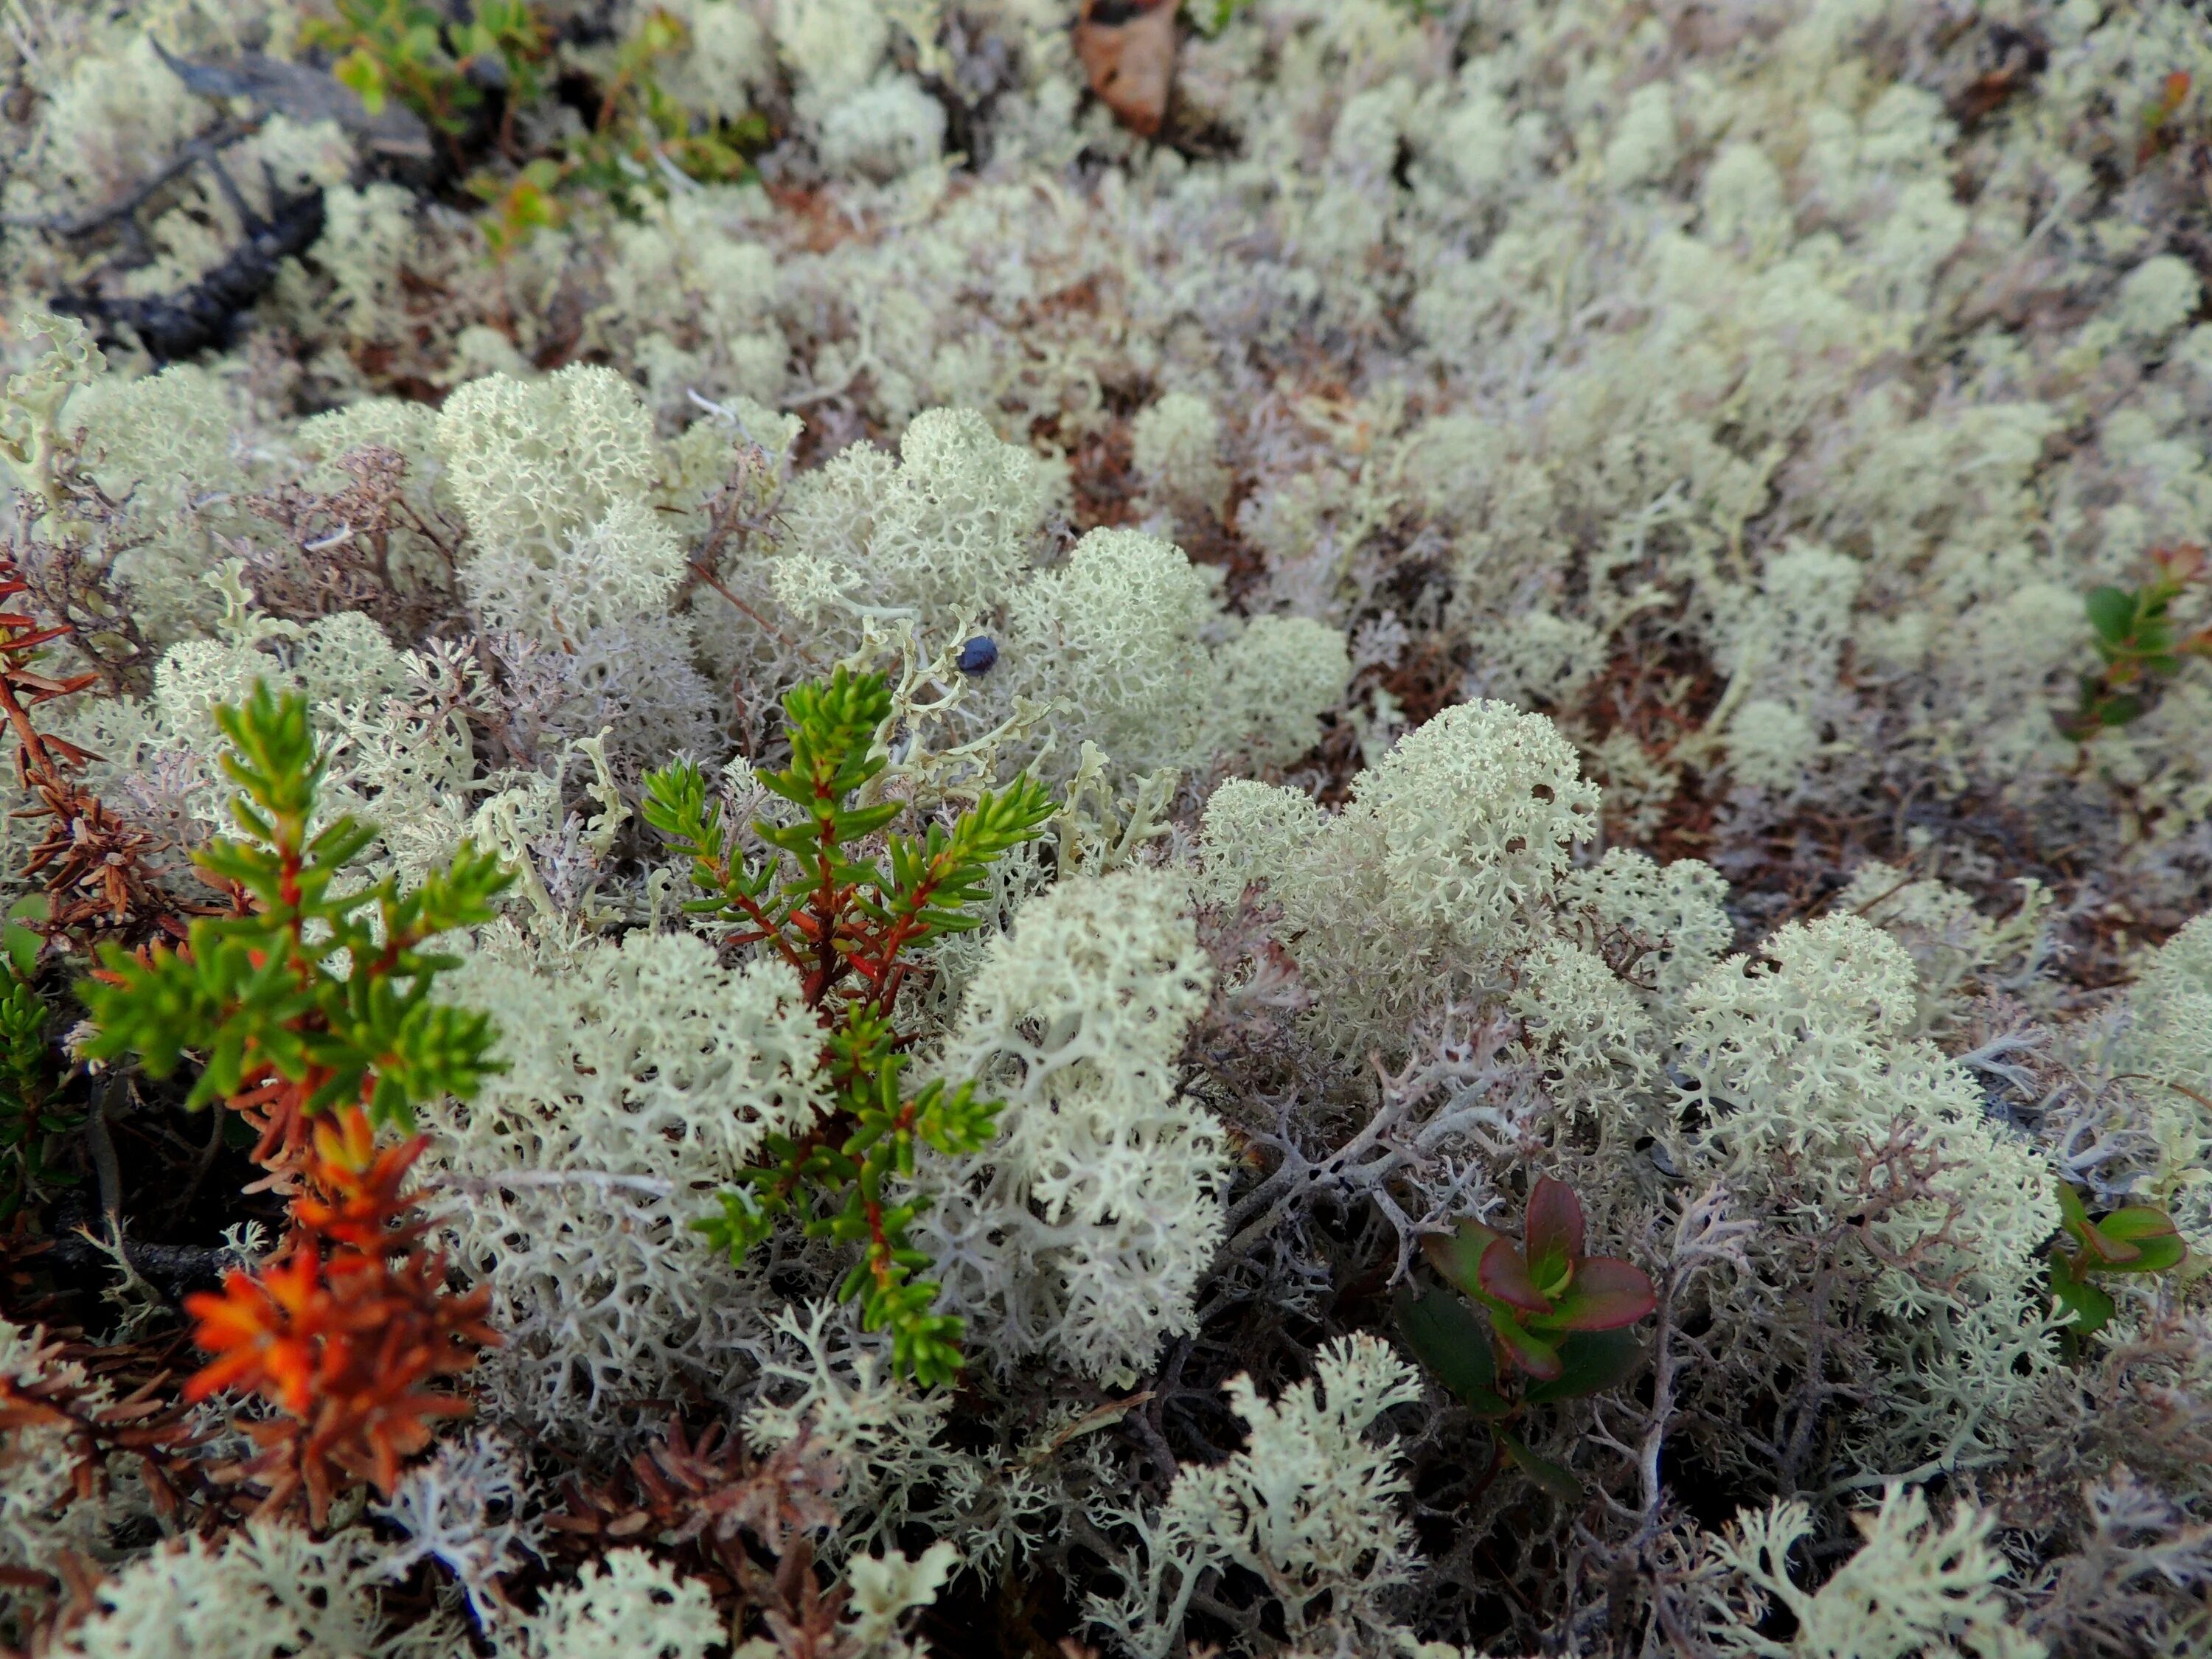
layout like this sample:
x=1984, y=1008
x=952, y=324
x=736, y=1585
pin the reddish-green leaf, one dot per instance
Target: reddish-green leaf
x=1504, y=1275
x=1447, y=1337
x=2112, y=1253
x=1553, y=1234
x=1607, y=1294
x=2136, y=1222
x=1527, y=1351
x=1458, y=1255
x=2148, y=1233
x=2152, y=1256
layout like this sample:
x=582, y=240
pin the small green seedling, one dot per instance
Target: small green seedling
x=320, y=993
x=1556, y=1326
x=23, y=934
x=1210, y=17
x=431, y=62
x=519, y=206
x=2136, y=1239
x=2161, y=132
x=2141, y=644
x=642, y=130
x=32, y=1125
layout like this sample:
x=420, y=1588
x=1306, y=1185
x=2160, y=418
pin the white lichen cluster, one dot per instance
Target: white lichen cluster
x=266, y=1591
x=1312, y=1507
x=1126, y=638
x=1447, y=845
x=1079, y=1238
x=1914, y=1587
x=1538, y=546
x=640, y=1077
x=44, y=1515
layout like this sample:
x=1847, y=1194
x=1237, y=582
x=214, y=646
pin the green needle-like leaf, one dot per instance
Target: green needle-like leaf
x=258, y=993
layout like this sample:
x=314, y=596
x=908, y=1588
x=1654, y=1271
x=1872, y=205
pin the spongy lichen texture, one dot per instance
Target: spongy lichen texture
x=1079, y=1236
x=638, y=1076
x=1543, y=549
x=1447, y=845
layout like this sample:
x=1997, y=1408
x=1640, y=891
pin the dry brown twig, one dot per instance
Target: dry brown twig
x=341, y=545
x=91, y=863
x=66, y=551
x=714, y=1499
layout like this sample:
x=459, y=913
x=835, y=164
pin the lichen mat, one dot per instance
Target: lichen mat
x=1292, y=829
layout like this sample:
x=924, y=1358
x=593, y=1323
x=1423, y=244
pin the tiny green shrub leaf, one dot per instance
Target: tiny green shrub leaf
x=1445, y=1335
x=1591, y=1361
x=1560, y=1483
x=2111, y=613
x=2137, y=1238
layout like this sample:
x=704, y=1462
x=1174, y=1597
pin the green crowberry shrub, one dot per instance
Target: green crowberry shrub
x=317, y=995
x=849, y=903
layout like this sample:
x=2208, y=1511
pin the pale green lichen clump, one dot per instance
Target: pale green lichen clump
x=1543, y=551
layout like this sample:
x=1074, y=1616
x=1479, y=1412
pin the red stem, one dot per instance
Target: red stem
x=886, y=972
